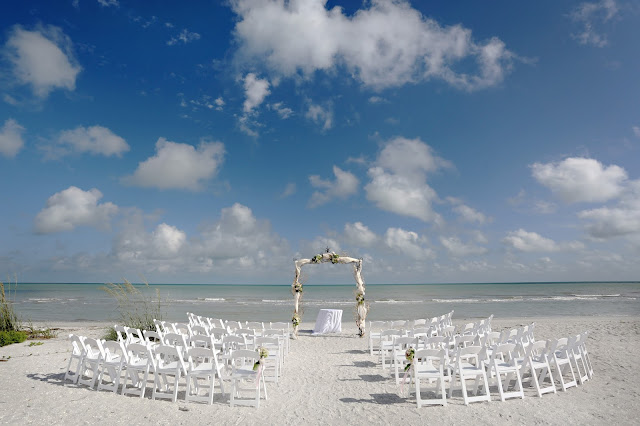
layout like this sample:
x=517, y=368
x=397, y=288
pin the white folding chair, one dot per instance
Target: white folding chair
x=203, y=368
x=504, y=362
x=77, y=354
x=244, y=378
x=400, y=346
x=139, y=363
x=168, y=363
x=272, y=364
x=536, y=362
x=429, y=365
x=93, y=356
x=375, y=328
x=112, y=366
x=386, y=346
x=559, y=359
x=469, y=364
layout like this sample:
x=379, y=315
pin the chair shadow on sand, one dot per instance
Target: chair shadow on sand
x=377, y=398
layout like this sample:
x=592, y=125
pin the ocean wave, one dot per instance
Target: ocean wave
x=391, y=301
x=214, y=299
x=571, y=298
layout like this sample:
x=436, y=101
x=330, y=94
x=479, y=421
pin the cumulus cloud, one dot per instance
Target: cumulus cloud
x=11, y=138
x=321, y=115
x=589, y=16
x=581, y=179
x=398, y=179
x=178, y=166
x=466, y=213
x=289, y=190
x=283, y=111
x=42, y=59
x=408, y=243
x=237, y=241
x=620, y=220
x=96, y=140
x=459, y=249
x=534, y=242
x=386, y=43
x=344, y=185
x=184, y=37
x=74, y=207
x=359, y=235
x=255, y=90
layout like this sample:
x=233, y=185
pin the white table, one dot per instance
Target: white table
x=328, y=321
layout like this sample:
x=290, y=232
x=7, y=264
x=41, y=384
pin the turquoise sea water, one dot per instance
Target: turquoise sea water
x=88, y=302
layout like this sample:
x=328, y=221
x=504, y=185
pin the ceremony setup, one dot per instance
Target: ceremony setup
x=426, y=361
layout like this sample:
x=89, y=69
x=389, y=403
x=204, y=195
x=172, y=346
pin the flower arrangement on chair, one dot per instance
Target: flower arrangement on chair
x=264, y=353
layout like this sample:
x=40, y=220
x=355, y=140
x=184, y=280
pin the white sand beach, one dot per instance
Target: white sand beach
x=331, y=379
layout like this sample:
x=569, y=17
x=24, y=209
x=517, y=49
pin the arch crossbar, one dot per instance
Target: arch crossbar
x=361, y=307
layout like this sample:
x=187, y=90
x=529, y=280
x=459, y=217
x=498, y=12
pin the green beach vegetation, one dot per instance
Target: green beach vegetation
x=11, y=327
x=136, y=307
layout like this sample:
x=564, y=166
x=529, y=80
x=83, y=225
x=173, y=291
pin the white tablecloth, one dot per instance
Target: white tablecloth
x=328, y=321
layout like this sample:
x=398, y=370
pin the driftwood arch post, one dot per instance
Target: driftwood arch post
x=361, y=307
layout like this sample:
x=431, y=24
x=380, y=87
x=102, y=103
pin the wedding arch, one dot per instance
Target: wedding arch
x=361, y=307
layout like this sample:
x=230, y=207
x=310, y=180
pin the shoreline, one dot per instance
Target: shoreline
x=331, y=379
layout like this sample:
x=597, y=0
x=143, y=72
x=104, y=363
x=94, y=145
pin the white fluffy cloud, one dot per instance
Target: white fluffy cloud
x=42, y=58
x=345, y=185
x=581, y=179
x=11, y=138
x=459, y=249
x=466, y=213
x=636, y=131
x=386, y=43
x=184, y=37
x=178, y=166
x=321, y=115
x=359, y=235
x=238, y=241
x=96, y=140
x=408, y=243
x=620, y=220
x=255, y=90
x=74, y=207
x=398, y=179
x=589, y=16
x=534, y=242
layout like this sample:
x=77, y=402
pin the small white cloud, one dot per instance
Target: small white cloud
x=321, y=115
x=178, y=166
x=466, y=213
x=408, y=243
x=283, y=111
x=534, y=242
x=459, y=249
x=168, y=239
x=345, y=185
x=109, y=3
x=377, y=100
x=359, y=235
x=577, y=180
x=74, y=207
x=590, y=16
x=11, y=138
x=184, y=37
x=96, y=140
x=636, y=131
x=255, y=90
x=42, y=59
x=289, y=190
x=219, y=102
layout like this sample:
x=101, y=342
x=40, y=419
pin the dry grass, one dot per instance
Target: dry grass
x=9, y=320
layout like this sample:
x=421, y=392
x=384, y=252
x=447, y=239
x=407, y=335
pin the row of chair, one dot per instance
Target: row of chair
x=169, y=354
x=499, y=357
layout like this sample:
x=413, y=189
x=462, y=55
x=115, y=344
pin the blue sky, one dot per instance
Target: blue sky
x=440, y=141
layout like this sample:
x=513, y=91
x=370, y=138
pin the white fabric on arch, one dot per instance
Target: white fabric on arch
x=328, y=321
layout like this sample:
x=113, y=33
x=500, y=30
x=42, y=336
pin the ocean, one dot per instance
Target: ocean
x=49, y=302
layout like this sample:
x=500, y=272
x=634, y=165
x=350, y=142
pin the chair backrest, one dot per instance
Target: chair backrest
x=152, y=337
x=419, y=322
x=388, y=335
x=273, y=332
x=279, y=326
x=199, y=356
x=233, y=343
x=114, y=351
x=437, y=342
x=268, y=342
x=134, y=335
x=77, y=345
x=465, y=340
x=246, y=332
x=199, y=329
x=182, y=328
x=398, y=324
x=255, y=325
x=166, y=355
x=403, y=343
x=505, y=352
x=93, y=349
x=243, y=358
x=471, y=354
x=429, y=358
x=378, y=326
x=138, y=354
x=121, y=333
x=233, y=325
x=215, y=322
x=201, y=341
x=175, y=339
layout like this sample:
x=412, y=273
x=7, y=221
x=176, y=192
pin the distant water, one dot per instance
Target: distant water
x=88, y=302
